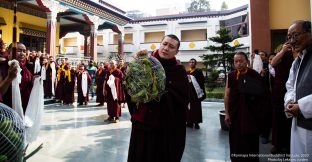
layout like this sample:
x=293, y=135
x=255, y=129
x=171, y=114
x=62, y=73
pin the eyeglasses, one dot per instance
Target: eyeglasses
x=294, y=36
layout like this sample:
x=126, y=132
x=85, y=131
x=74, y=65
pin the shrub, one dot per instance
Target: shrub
x=218, y=95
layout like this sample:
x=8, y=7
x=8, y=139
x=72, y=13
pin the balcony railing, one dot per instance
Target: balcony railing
x=193, y=45
x=71, y=49
x=149, y=46
x=100, y=49
x=112, y=47
x=127, y=48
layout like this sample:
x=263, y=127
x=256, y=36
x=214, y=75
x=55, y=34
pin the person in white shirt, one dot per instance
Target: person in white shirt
x=298, y=99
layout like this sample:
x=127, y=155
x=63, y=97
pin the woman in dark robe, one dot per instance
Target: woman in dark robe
x=244, y=104
x=113, y=105
x=81, y=98
x=69, y=86
x=99, y=80
x=158, y=127
x=194, y=113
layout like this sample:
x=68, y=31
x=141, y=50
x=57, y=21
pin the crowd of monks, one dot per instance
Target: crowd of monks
x=82, y=77
x=61, y=80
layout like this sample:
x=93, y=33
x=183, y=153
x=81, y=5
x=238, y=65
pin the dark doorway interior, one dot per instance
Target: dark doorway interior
x=33, y=43
x=278, y=38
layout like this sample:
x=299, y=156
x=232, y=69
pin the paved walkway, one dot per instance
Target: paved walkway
x=79, y=134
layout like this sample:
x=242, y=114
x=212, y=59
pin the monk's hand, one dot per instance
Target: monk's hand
x=294, y=109
x=286, y=47
x=287, y=110
x=12, y=72
x=227, y=120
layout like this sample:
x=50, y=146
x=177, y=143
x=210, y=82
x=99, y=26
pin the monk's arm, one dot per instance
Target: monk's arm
x=226, y=104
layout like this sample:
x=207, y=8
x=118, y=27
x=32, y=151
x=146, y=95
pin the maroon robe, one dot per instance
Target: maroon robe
x=281, y=125
x=82, y=99
x=60, y=76
x=113, y=106
x=123, y=69
x=194, y=114
x=246, y=115
x=158, y=128
x=26, y=85
x=99, y=80
x=7, y=96
x=30, y=64
x=47, y=84
x=69, y=87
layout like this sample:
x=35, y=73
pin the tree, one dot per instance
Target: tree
x=224, y=53
x=224, y=6
x=199, y=6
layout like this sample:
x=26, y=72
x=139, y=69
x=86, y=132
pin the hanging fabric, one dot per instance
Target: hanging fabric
x=34, y=111
x=16, y=93
x=84, y=84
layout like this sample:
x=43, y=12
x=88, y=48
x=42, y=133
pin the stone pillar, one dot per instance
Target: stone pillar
x=260, y=25
x=120, y=46
x=52, y=8
x=85, y=46
x=311, y=9
x=93, y=43
x=51, y=33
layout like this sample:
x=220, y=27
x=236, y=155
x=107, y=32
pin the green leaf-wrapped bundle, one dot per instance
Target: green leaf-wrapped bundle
x=145, y=79
x=11, y=135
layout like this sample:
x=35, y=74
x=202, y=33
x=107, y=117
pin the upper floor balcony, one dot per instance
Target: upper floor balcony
x=127, y=48
x=150, y=46
x=194, y=45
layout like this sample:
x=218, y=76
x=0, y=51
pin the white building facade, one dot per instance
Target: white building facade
x=193, y=29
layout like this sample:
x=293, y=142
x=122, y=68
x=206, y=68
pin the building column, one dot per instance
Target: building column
x=51, y=33
x=311, y=8
x=51, y=8
x=120, y=46
x=260, y=25
x=93, y=42
x=85, y=46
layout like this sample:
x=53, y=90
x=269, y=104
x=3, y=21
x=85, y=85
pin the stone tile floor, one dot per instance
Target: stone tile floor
x=79, y=134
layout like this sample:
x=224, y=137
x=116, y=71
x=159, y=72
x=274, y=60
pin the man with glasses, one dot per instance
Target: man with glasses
x=298, y=99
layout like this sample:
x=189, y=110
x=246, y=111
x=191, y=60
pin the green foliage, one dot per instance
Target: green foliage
x=218, y=95
x=212, y=80
x=199, y=6
x=223, y=55
x=3, y=158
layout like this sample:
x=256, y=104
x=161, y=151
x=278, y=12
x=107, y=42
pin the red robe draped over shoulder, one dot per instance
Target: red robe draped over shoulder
x=100, y=77
x=158, y=128
x=113, y=106
x=81, y=98
x=194, y=114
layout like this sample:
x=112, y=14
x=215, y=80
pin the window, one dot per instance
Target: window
x=193, y=35
x=69, y=42
x=128, y=39
x=238, y=26
x=100, y=41
x=115, y=39
x=33, y=43
x=153, y=37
